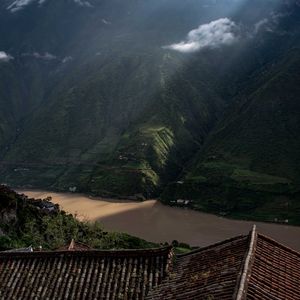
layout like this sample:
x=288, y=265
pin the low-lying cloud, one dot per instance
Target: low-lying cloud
x=44, y=56
x=4, y=57
x=211, y=35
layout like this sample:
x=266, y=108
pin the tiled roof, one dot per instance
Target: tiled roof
x=82, y=274
x=250, y=267
x=274, y=271
x=209, y=273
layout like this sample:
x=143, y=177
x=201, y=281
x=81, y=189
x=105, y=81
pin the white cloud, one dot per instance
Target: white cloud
x=212, y=35
x=20, y=4
x=17, y=5
x=4, y=57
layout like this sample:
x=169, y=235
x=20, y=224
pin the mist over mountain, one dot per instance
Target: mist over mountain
x=195, y=99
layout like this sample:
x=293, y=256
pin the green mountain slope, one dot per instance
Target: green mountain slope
x=249, y=166
x=93, y=99
x=102, y=122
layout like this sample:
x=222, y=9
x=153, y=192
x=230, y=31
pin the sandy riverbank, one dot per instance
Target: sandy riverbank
x=155, y=222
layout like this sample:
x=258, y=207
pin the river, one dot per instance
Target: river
x=156, y=222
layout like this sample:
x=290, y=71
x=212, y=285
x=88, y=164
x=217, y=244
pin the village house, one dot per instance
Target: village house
x=183, y=202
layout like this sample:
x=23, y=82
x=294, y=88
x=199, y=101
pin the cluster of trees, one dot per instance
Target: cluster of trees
x=24, y=223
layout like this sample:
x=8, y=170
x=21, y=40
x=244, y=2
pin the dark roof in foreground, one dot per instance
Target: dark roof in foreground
x=82, y=274
x=274, y=271
x=210, y=273
x=245, y=267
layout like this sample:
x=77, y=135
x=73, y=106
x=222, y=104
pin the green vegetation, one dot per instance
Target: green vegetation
x=249, y=167
x=181, y=248
x=238, y=193
x=25, y=222
x=126, y=117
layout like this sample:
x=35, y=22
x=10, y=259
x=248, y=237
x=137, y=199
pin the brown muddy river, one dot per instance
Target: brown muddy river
x=156, y=222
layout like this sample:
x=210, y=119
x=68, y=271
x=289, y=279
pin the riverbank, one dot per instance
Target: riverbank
x=153, y=221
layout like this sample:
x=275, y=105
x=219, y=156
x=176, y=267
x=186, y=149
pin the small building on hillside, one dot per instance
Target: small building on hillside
x=183, y=202
x=245, y=267
x=72, y=189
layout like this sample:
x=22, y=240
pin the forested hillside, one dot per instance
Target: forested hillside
x=174, y=99
x=39, y=222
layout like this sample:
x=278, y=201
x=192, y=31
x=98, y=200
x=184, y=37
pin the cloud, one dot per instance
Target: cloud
x=260, y=24
x=4, y=57
x=269, y=24
x=45, y=56
x=83, y=3
x=211, y=35
x=20, y=4
x=67, y=59
x=276, y=16
x=106, y=22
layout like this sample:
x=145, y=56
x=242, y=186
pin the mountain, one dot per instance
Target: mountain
x=188, y=99
x=249, y=165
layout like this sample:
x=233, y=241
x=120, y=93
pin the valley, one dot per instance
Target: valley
x=168, y=100
x=150, y=149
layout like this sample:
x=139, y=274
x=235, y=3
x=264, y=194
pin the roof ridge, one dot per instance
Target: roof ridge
x=279, y=244
x=71, y=245
x=246, y=267
x=211, y=246
x=121, y=252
